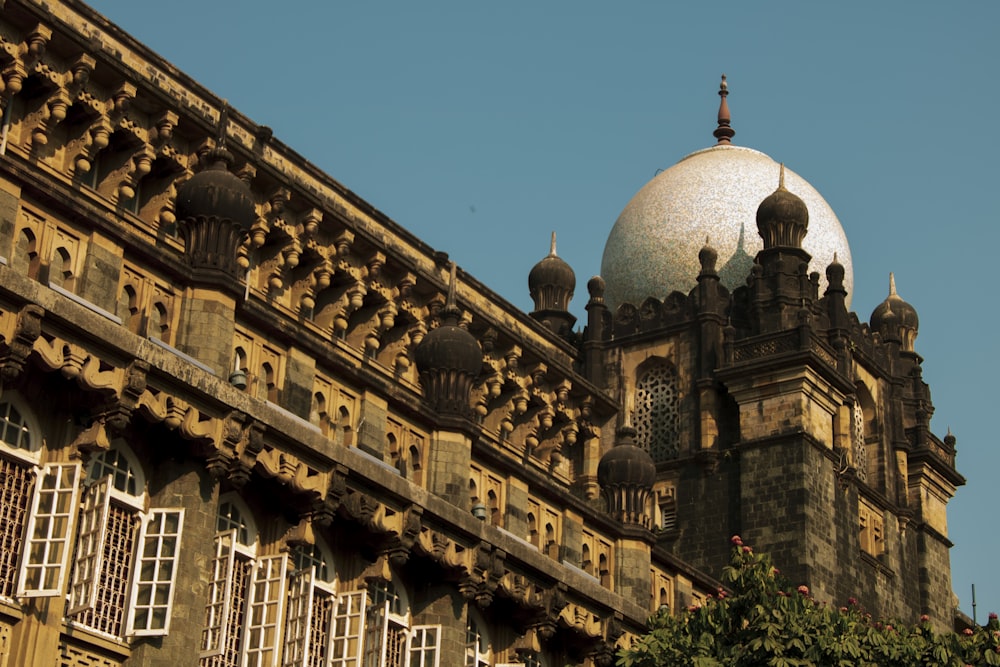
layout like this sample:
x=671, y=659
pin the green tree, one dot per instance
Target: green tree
x=763, y=621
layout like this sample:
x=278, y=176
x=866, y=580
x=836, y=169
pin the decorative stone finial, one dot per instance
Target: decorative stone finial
x=724, y=132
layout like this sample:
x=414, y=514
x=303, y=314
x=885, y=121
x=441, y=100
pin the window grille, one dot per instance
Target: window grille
x=860, y=450
x=17, y=482
x=656, y=417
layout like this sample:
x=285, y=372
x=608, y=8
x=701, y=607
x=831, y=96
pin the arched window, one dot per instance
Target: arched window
x=20, y=441
x=390, y=638
x=321, y=629
x=477, y=641
x=235, y=572
x=126, y=558
x=656, y=416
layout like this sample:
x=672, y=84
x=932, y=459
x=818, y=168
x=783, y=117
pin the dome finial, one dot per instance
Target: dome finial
x=724, y=132
x=781, y=176
x=451, y=311
x=892, y=284
x=220, y=139
x=552, y=248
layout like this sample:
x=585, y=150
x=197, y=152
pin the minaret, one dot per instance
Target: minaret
x=783, y=280
x=551, y=283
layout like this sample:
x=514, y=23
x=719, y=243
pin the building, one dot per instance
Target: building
x=247, y=419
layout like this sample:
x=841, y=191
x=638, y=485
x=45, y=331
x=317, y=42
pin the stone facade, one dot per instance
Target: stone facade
x=217, y=460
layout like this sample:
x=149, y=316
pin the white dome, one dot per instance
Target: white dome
x=653, y=248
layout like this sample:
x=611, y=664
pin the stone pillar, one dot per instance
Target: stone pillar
x=207, y=328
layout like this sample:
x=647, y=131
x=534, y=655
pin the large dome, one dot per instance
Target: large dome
x=653, y=248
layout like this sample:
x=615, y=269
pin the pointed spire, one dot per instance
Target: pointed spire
x=220, y=137
x=781, y=176
x=552, y=248
x=892, y=284
x=724, y=132
x=451, y=311
x=220, y=157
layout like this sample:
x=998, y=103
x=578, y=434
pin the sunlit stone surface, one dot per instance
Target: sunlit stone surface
x=653, y=248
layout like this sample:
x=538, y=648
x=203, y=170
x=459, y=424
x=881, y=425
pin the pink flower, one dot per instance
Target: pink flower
x=736, y=540
x=993, y=616
x=747, y=550
x=843, y=610
x=967, y=632
x=775, y=571
x=852, y=601
x=804, y=590
x=924, y=618
x=693, y=608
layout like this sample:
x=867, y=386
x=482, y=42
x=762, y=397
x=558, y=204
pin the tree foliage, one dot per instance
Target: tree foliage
x=765, y=622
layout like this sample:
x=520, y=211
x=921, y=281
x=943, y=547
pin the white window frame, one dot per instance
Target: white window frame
x=419, y=649
x=91, y=532
x=159, y=547
x=265, y=612
x=48, y=530
x=213, y=635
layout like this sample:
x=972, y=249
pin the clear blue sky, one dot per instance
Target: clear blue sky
x=482, y=126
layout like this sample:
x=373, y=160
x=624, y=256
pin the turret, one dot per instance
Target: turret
x=551, y=284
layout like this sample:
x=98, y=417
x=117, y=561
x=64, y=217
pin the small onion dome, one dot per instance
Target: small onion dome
x=707, y=257
x=551, y=281
x=596, y=287
x=626, y=474
x=449, y=360
x=835, y=274
x=782, y=218
x=214, y=208
x=895, y=319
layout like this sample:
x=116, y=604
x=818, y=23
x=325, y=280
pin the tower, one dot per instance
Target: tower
x=768, y=408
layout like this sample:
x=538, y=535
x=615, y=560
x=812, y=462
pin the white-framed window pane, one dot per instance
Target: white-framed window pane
x=217, y=611
x=348, y=629
x=17, y=481
x=114, y=464
x=156, y=574
x=376, y=635
x=424, y=648
x=298, y=646
x=267, y=606
x=89, y=547
x=48, y=531
x=14, y=429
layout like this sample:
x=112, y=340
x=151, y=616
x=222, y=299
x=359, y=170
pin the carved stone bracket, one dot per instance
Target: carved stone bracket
x=26, y=331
